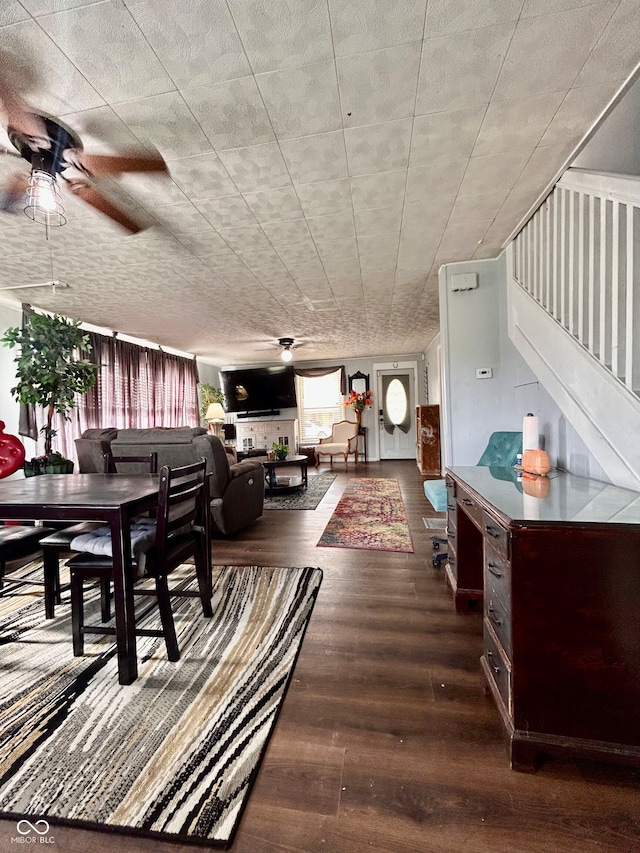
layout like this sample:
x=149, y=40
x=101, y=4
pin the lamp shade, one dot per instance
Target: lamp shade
x=215, y=412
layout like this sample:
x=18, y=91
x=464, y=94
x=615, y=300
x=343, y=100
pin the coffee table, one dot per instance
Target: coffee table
x=270, y=466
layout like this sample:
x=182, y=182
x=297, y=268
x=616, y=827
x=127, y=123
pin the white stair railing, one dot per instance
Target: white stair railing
x=579, y=258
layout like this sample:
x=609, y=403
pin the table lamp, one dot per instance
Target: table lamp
x=215, y=416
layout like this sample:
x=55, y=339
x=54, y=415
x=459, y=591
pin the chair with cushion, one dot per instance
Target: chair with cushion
x=501, y=451
x=18, y=541
x=59, y=541
x=180, y=532
x=343, y=441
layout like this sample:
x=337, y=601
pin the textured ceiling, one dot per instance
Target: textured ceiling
x=325, y=157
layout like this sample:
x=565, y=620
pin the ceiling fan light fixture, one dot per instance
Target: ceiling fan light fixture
x=43, y=199
x=286, y=343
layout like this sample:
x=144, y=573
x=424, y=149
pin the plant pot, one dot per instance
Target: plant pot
x=52, y=465
x=64, y=466
x=281, y=455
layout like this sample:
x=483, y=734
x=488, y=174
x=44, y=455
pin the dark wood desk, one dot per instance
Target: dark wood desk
x=558, y=581
x=112, y=498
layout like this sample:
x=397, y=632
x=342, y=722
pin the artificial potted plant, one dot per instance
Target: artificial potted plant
x=50, y=372
x=208, y=395
x=280, y=450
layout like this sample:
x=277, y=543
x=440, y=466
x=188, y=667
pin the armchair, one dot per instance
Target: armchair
x=343, y=441
x=502, y=450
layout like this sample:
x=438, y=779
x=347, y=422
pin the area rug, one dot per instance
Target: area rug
x=308, y=498
x=369, y=515
x=172, y=756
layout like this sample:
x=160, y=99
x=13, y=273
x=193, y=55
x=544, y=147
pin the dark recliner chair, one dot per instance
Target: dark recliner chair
x=236, y=488
x=236, y=491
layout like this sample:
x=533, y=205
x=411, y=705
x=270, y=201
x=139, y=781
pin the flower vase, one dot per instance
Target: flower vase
x=358, y=417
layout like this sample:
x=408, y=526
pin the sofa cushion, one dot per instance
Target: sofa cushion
x=101, y=434
x=156, y=435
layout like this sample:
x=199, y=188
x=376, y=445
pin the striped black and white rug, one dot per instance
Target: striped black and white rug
x=171, y=756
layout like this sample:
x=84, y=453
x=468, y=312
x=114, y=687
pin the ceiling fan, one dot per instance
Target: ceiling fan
x=55, y=151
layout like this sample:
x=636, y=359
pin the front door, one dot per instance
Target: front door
x=396, y=413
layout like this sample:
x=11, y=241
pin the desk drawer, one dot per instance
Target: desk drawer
x=496, y=534
x=499, y=669
x=497, y=576
x=451, y=495
x=469, y=505
x=452, y=530
x=498, y=615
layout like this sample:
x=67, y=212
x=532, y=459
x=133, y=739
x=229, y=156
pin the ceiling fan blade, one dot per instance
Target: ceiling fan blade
x=91, y=196
x=19, y=115
x=104, y=164
x=13, y=196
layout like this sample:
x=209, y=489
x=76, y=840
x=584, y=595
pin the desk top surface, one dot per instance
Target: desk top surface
x=570, y=499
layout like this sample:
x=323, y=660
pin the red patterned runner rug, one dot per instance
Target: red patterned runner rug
x=369, y=515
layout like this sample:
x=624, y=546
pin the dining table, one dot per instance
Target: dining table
x=115, y=499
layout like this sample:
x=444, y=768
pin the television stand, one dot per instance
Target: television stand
x=261, y=435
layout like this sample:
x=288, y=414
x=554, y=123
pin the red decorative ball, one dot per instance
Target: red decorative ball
x=12, y=453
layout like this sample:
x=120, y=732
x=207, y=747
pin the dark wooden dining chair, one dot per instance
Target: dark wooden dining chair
x=59, y=541
x=18, y=541
x=120, y=464
x=181, y=532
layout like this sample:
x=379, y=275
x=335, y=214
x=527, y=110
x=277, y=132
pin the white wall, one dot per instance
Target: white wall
x=9, y=408
x=615, y=146
x=474, y=333
x=208, y=373
x=432, y=360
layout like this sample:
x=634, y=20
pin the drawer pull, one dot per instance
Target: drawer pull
x=494, y=570
x=492, y=531
x=467, y=502
x=495, y=668
x=492, y=615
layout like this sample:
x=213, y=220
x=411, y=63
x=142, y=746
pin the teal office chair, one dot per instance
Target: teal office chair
x=501, y=452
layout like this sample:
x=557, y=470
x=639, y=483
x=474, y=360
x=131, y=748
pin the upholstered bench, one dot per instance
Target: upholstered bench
x=436, y=492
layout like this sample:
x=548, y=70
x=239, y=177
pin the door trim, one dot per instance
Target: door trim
x=392, y=365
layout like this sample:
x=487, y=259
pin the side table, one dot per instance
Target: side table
x=271, y=465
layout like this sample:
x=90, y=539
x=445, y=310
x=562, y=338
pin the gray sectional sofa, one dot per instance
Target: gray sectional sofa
x=236, y=488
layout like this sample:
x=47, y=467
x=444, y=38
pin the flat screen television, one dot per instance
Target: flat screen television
x=258, y=389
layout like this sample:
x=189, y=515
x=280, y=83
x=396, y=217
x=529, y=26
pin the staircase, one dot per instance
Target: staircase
x=573, y=289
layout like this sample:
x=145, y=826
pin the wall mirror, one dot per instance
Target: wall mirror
x=359, y=382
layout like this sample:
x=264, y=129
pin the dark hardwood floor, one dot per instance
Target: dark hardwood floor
x=386, y=741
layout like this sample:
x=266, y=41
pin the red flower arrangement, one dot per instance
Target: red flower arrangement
x=359, y=402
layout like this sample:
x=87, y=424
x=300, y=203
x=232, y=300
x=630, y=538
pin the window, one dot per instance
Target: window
x=137, y=387
x=320, y=405
x=396, y=402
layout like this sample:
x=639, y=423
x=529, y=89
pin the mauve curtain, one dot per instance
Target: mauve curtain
x=137, y=387
x=313, y=372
